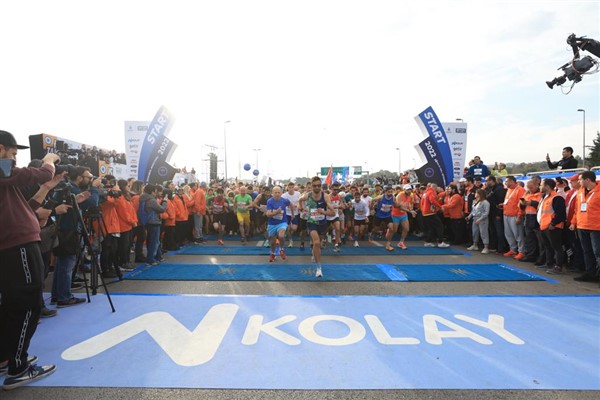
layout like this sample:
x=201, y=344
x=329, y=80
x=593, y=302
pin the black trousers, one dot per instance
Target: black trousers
x=458, y=227
x=553, y=247
x=21, y=275
x=433, y=228
x=140, y=237
x=109, y=253
x=123, y=249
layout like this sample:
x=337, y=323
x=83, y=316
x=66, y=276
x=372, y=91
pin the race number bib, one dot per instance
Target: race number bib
x=583, y=207
x=314, y=214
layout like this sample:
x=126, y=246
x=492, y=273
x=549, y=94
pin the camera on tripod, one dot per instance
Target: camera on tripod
x=62, y=193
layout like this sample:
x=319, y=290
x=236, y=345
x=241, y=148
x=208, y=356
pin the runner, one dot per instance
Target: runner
x=292, y=218
x=318, y=205
x=241, y=204
x=361, y=216
x=383, y=215
x=403, y=205
x=219, y=208
x=338, y=204
x=260, y=205
x=277, y=221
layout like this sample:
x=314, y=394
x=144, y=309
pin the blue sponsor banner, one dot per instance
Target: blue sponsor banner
x=156, y=146
x=433, y=171
x=331, y=342
x=432, y=127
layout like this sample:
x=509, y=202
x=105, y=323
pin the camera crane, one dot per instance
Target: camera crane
x=577, y=67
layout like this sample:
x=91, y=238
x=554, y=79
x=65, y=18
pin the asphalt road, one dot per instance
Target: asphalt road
x=566, y=285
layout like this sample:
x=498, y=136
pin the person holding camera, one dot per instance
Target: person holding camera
x=82, y=185
x=21, y=266
x=566, y=162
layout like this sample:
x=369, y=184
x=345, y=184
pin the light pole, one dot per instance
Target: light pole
x=225, y=144
x=399, y=163
x=583, y=111
x=256, y=150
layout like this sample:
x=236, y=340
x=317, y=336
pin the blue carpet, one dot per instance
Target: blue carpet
x=251, y=250
x=332, y=272
x=330, y=342
x=256, y=238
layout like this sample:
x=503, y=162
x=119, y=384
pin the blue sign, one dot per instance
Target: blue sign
x=338, y=342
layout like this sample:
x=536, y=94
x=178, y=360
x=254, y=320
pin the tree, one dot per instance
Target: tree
x=593, y=158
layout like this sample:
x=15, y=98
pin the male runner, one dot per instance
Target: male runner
x=241, y=204
x=292, y=217
x=277, y=221
x=383, y=214
x=360, y=205
x=318, y=205
x=334, y=221
x=403, y=205
x=219, y=209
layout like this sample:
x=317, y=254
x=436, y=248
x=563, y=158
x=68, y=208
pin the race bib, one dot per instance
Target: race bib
x=583, y=207
x=314, y=214
x=278, y=216
x=386, y=207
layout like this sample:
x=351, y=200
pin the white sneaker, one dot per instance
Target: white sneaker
x=319, y=273
x=485, y=251
x=356, y=243
x=266, y=243
x=312, y=259
x=443, y=245
x=336, y=249
x=429, y=244
x=473, y=248
x=291, y=244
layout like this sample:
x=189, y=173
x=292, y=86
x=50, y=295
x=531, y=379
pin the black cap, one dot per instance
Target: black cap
x=8, y=140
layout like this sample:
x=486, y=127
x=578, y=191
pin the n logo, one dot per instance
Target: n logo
x=185, y=348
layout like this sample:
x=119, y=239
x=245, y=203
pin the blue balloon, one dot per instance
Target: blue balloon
x=255, y=172
x=247, y=167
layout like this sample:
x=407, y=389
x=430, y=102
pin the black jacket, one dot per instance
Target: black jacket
x=565, y=163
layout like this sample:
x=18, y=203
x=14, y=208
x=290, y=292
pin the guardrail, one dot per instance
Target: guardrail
x=557, y=171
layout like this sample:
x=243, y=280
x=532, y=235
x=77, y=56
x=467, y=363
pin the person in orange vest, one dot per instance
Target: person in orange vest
x=110, y=229
x=551, y=215
x=513, y=221
x=127, y=221
x=586, y=220
x=169, y=216
x=431, y=220
x=199, y=212
x=574, y=251
x=533, y=246
x=454, y=205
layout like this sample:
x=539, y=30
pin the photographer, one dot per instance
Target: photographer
x=21, y=266
x=109, y=229
x=82, y=185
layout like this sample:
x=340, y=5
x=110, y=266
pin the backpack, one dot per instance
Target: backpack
x=143, y=214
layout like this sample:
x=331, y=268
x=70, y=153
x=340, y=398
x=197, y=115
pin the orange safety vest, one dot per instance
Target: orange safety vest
x=590, y=218
x=547, y=212
x=511, y=201
x=537, y=196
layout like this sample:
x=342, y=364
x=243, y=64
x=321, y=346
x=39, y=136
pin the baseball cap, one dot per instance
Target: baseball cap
x=8, y=140
x=574, y=177
x=407, y=187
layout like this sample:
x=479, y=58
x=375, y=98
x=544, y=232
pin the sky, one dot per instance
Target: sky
x=309, y=83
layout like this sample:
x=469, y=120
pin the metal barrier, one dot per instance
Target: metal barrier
x=558, y=171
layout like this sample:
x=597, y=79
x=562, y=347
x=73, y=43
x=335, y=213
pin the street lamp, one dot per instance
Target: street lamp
x=399, y=165
x=583, y=111
x=225, y=143
x=256, y=150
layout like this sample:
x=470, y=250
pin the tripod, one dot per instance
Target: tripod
x=87, y=243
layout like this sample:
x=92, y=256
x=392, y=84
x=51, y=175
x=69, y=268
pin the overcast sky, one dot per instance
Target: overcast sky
x=310, y=83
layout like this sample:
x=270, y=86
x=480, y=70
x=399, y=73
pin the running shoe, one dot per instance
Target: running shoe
x=272, y=257
x=319, y=273
x=31, y=374
x=402, y=245
x=282, y=254
x=485, y=251
x=291, y=244
x=220, y=242
x=312, y=259
x=443, y=245
x=266, y=243
x=429, y=244
x=336, y=249
x=388, y=247
x=509, y=253
x=356, y=243
x=473, y=248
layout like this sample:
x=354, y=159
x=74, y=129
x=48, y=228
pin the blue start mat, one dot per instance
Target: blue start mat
x=256, y=238
x=333, y=342
x=331, y=272
x=251, y=250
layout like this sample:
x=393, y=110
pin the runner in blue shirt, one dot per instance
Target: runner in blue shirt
x=277, y=221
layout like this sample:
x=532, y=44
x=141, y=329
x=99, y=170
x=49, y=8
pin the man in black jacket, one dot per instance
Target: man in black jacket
x=567, y=161
x=495, y=192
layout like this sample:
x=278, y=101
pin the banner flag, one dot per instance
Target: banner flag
x=135, y=133
x=433, y=170
x=156, y=148
x=432, y=128
x=329, y=178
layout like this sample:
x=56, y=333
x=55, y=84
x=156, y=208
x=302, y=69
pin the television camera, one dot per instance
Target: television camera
x=577, y=67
